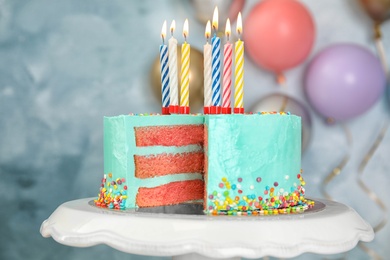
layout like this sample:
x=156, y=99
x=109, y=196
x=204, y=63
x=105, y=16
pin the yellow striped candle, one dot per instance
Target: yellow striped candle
x=239, y=71
x=185, y=73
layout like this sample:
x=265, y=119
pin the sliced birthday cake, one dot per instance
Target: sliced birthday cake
x=233, y=164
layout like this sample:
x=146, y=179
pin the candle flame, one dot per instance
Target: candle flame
x=173, y=26
x=239, y=23
x=164, y=30
x=208, y=30
x=215, y=19
x=185, y=29
x=227, y=29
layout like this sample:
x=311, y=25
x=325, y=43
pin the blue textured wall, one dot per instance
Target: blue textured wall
x=66, y=64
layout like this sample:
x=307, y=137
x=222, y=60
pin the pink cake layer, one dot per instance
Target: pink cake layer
x=165, y=164
x=179, y=135
x=171, y=193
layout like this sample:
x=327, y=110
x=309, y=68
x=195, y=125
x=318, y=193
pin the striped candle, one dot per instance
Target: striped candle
x=216, y=64
x=207, y=71
x=239, y=71
x=173, y=82
x=227, y=72
x=164, y=72
x=185, y=73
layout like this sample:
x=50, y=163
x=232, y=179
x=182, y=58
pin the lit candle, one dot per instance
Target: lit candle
x=185, y=73
x=216, y=64
x=164, y=72
x=172, y=62
x=227, y=72
x=239, y=70
x=207, y=70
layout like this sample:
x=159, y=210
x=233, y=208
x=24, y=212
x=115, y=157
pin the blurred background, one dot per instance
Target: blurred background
x=66, y=64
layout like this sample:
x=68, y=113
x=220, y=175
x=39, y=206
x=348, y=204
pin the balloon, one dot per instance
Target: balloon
x=281, y=102
x=279, y=34
x=196, y=78
x=226, y=9
x=378, y=10
x=343, y=81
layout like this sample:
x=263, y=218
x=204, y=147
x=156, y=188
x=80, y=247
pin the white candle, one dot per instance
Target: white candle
x=173, y=81
x=207, y=70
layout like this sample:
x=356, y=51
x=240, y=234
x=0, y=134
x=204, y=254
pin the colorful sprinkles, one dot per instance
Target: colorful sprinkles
x=158, y=114
x=225, y=201
x=200, y=114
x=113, y=193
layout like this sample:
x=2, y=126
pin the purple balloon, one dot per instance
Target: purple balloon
x=343, y=81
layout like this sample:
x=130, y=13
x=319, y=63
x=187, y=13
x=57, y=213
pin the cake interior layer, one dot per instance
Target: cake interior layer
x=176, y=135
x=166, y=164
x=171, y=193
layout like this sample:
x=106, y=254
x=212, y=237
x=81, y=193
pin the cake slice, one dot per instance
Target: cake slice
x=152, y=160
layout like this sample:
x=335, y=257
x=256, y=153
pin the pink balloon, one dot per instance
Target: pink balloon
x=279, y=34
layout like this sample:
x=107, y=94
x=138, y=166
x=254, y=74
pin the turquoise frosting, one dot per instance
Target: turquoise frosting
x=248, y=155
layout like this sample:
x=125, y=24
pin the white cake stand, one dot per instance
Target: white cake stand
x=328, y=228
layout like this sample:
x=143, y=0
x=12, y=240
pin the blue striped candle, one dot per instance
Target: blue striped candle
x=216, y=70
x=215, y=67
x=164, y=75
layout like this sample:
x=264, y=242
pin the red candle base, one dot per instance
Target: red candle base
x=238, y=110
x=214, y=110
x=165, y=111
x=226, y=110
x=184, y=110
x=206, y=110
x=173, y=109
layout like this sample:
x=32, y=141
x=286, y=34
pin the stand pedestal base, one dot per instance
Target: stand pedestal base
x=328, y=228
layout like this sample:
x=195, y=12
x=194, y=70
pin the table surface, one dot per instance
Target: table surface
x=328, y=228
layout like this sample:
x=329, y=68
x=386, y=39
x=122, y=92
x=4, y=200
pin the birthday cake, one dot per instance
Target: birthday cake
x=233, y=164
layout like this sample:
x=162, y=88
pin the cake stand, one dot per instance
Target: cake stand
x=184, y=232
